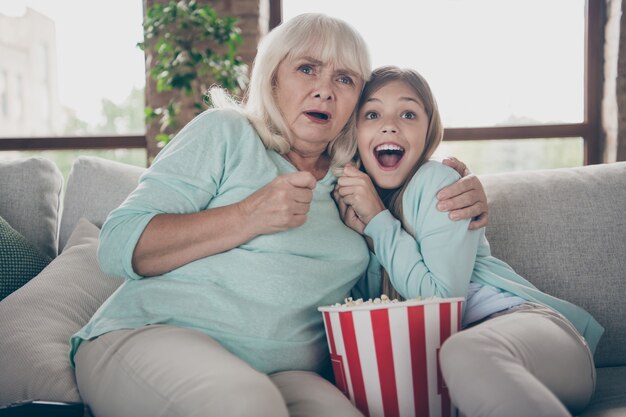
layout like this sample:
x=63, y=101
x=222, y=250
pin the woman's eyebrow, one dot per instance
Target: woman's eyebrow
x=310, y=59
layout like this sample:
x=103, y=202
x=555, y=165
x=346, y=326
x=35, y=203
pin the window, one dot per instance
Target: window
x=78, y=71
x=4, y=95
x=506, y=70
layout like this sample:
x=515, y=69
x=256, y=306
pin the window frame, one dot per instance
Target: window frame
x=589, y=129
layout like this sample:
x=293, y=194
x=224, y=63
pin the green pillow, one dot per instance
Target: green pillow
x=19, y=260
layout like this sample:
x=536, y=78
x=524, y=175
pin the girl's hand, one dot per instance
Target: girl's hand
x=356, y=190
x=465, y=198
x=347, y=214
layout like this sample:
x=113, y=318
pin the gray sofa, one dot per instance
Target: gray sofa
x=563, y=229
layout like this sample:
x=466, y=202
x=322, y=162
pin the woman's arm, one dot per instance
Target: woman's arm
x=466, y=198
x=173, y=240
x=167, y=221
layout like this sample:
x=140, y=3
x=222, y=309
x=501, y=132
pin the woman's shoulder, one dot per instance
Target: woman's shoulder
x=229, y=118
x=214, y=126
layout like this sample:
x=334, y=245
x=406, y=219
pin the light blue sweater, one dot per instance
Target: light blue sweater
x=258, y=300
x=444, y=256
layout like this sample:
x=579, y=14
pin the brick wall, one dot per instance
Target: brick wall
x=620, y=89
x=253, y=18
x=614, y=91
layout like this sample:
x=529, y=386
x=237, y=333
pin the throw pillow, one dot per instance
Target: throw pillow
x=39, y=319
x=19, y=259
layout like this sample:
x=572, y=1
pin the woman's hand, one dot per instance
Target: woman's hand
x=357, y=198
x=280, y=205
x=465, y=198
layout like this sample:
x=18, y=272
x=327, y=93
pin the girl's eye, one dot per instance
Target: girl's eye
x=408, y=115
x=371, y=115
x=306, y=69
x=345, y=79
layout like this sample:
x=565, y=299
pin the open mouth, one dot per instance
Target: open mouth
x=388, y=155
x=318, y=115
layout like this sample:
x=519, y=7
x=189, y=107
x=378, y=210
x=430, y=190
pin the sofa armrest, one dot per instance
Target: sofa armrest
x=565, y=231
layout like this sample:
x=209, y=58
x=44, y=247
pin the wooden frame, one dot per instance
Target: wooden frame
x=589, y=130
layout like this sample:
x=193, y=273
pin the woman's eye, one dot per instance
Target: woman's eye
x=306, y=69
x=408, y=115
x=345, y=79
x=371, y=115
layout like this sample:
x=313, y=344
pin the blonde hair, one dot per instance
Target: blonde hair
x=393, y=199
x=326, y=38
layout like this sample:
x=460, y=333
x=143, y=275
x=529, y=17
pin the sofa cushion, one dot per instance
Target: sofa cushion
x=39, y=319
x=30, y=200
x=95, y=186
x=19, y=259
x=609, y=399
x=565, y=231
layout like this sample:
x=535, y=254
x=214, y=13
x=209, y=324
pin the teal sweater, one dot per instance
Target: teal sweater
x=258, y=300
x=444, y=256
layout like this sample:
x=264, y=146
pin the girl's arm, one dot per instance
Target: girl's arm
x=439, y=260
x=464, y=199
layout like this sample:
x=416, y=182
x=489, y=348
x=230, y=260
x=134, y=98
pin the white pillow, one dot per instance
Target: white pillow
x=37, y=321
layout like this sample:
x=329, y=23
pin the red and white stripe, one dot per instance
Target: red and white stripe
x=385, y=357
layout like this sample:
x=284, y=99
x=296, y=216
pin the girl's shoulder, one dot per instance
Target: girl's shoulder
x=431, y=177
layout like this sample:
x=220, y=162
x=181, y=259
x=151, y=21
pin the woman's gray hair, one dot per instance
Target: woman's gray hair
x=311, y=34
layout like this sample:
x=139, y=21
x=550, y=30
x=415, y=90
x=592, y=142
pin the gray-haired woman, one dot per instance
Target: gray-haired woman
x=231, y=241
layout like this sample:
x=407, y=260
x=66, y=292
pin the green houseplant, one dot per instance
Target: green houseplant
x=192, y=47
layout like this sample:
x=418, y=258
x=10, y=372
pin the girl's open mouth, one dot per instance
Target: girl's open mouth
x=388, y=155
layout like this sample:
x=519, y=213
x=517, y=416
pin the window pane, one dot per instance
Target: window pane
x=489, y=156
x=70, y=67
x=489, y=62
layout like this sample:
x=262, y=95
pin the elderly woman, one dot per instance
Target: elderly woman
x=231, y=241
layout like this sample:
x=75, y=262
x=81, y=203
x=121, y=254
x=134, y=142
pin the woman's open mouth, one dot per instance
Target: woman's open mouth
x=388, y=155
x=318, y=116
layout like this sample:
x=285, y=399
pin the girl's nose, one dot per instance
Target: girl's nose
x=389, y=128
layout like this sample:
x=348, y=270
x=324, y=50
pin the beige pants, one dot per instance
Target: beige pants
x=529, y=361
x=174, y=372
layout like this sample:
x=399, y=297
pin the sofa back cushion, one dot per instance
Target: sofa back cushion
x=95, y=186
x=565, y=231
x=30, y=195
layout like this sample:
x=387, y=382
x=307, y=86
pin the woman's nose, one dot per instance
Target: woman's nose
x=323, y=89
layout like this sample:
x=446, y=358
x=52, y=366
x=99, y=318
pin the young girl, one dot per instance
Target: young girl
x=521, y=353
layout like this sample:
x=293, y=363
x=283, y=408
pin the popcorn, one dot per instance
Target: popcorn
x=384, y=299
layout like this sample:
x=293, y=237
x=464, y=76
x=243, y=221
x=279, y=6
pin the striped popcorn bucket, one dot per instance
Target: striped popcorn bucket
x=385, y=357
